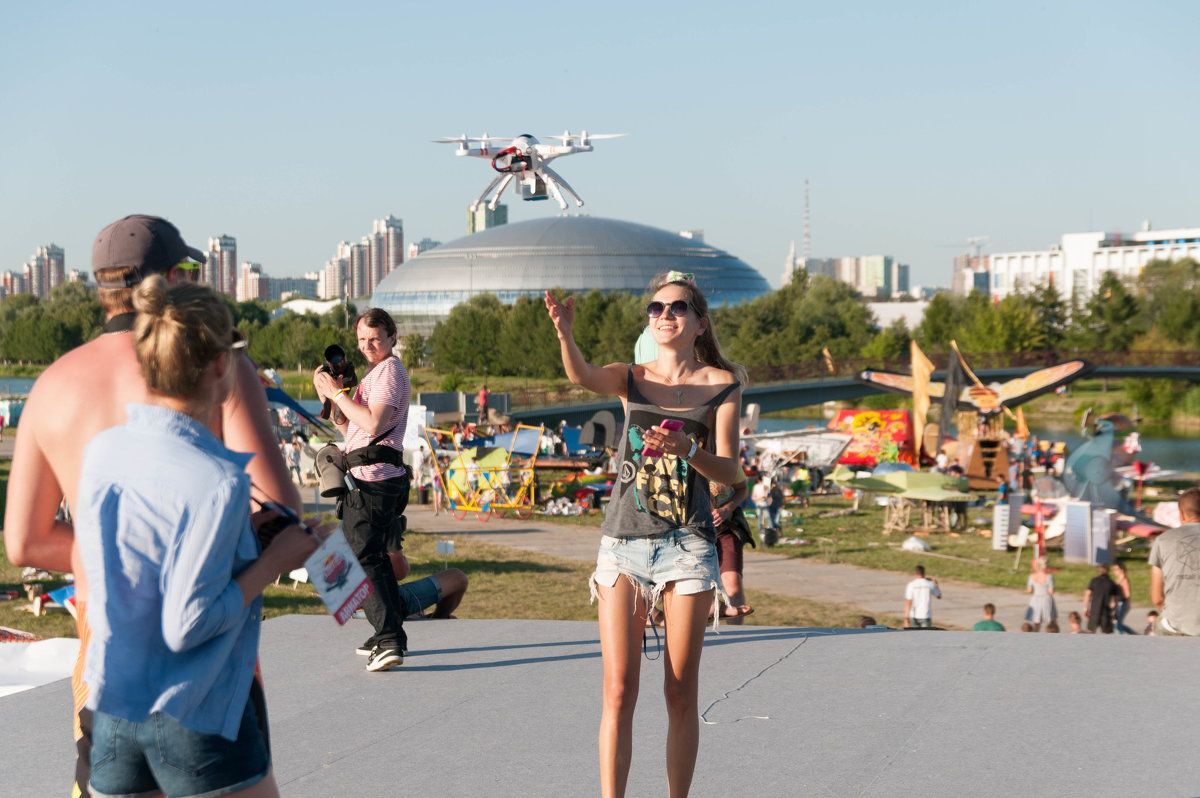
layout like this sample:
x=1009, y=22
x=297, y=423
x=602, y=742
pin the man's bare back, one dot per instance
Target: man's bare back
x=80, y=394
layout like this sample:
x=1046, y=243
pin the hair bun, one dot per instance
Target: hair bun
x=150, y=296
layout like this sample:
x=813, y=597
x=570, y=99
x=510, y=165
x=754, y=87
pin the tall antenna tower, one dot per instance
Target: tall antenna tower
x=807, y=248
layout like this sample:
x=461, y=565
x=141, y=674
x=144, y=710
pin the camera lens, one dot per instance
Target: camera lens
x=334, y=354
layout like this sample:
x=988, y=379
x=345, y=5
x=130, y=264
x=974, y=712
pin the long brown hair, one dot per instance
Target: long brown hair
x=708, y=349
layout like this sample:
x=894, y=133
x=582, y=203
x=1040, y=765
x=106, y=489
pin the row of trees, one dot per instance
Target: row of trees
x=39, y=331
x=1160, y=310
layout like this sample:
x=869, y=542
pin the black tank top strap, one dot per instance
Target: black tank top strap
x=631, y=390
x=716, y=400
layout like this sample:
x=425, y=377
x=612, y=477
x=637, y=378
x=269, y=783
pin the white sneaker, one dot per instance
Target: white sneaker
x=383, y=659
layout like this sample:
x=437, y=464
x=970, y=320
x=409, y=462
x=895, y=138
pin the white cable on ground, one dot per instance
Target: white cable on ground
x=743, y=685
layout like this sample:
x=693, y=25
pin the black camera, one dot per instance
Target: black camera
x=340, y=368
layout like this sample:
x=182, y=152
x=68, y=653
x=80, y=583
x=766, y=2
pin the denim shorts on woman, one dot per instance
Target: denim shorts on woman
x=651, y=563
x=161, y=755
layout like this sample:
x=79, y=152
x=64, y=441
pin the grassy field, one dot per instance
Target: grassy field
x=858, y=539
x=504, y=583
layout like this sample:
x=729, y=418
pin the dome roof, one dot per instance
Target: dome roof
x=575, y=253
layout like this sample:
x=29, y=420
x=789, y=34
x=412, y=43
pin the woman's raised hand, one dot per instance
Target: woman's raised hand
x=561, y=314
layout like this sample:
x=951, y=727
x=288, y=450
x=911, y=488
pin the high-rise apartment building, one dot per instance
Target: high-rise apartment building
x=220, y=268
x=332, y=284
x=376, y=258
x=480, y=218
x=52, y=260
x=35, y=279
x=971, y=273
x=253, y=284
x=392, y=230
x=417, y=247
x=12, y=283
x=44, y=271
x=873, y=276
x=360, y=268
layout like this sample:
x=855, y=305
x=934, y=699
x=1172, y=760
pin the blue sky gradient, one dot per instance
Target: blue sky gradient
x=292, y=125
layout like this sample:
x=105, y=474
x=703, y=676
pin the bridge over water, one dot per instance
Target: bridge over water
x=776, y=388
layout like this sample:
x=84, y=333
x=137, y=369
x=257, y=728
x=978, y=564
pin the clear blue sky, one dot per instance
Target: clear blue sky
x=292, y=125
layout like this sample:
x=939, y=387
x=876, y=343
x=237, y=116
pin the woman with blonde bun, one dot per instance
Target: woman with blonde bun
x=176, y=568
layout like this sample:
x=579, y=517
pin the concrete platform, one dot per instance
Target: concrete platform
x=503, y=708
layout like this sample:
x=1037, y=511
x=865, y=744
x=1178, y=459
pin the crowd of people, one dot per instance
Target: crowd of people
x=163, y=459
x=149, y=467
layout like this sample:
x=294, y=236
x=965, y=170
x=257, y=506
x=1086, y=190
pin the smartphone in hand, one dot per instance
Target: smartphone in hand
x=666, y=423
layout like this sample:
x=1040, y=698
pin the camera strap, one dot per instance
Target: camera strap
x=374, y=453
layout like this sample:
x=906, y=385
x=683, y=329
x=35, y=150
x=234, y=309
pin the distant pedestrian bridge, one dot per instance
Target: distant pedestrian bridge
x=776, y=388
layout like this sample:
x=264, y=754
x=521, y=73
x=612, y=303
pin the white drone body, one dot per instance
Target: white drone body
x=525, y=162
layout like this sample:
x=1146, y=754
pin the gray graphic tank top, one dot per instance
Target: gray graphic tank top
x=653, y=495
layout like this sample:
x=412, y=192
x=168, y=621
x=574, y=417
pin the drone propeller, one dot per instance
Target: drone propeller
x=464, y=140
x=568, y=137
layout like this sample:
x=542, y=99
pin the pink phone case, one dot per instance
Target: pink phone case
x=666, y=423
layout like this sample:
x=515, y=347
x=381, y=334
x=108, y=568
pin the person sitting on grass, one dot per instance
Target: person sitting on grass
x=443, y=591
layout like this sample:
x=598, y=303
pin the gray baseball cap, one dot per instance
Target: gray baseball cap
x=147, y=244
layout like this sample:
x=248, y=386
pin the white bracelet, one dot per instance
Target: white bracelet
x=691, y=452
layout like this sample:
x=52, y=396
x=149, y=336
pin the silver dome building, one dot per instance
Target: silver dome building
x=576, y=253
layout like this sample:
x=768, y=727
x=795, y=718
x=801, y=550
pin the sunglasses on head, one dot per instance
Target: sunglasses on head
x=679, y=307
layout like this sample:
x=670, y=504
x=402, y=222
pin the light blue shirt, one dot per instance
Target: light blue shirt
x=163, y=527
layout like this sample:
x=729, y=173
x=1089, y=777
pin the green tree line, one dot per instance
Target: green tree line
x=1159, y=311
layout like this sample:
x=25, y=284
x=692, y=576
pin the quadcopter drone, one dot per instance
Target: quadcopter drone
x=526, y=161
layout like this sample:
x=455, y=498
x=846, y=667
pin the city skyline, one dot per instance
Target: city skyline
x=917, y=127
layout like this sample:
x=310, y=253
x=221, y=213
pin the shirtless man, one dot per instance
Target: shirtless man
x=85, y=391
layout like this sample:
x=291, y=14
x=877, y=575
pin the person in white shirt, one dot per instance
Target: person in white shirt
x=918, y=600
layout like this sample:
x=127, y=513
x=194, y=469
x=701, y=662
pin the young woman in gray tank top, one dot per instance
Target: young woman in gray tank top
x=658, y=533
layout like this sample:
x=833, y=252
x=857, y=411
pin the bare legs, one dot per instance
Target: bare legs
x=622, y=621
x=686, y=618
x=732, y=582
x=454, y=586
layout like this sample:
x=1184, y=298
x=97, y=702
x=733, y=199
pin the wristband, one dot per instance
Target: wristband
x=691, y=452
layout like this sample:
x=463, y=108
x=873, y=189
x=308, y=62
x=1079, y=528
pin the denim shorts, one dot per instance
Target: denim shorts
x=161, y=755
x=419, y=594
x=651, y=563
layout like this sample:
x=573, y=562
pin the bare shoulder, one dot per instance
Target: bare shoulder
x=715, y=376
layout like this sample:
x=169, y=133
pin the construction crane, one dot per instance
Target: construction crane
x=975, y=245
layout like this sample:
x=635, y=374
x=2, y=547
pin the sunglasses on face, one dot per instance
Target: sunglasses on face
x=679, y=307
x=190, y=269
x=239, y=341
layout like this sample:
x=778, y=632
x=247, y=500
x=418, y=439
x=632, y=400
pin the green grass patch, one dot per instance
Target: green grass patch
x=858, y=539
x=504, y=583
